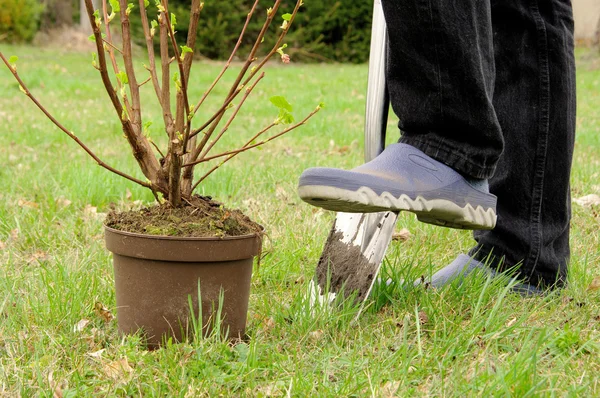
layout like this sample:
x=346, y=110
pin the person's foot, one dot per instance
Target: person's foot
x=462, y=266
x=403, y=178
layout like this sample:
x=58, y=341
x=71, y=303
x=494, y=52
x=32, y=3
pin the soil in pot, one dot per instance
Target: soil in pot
x=161, y=254
x=202, y=217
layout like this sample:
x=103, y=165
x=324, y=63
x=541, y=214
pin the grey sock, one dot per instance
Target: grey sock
x=462, y=266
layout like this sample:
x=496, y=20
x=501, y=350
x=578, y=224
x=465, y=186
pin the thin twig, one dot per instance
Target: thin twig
x=165, y=100
x=142, y=151
x=188, y=173
x=145, y=81
x=248, y=146
x=113, y=46
x=232, y=117
x=150, y=48
x=134, y=89
x=110, y=51
x=69, y=133
x=182, y=114
x=254, y=71
x=228, y=63
x=157, y=148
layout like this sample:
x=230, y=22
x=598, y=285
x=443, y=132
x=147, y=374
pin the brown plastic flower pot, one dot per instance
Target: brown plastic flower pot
x=156, y=275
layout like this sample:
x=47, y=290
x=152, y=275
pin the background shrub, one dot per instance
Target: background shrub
x=19, y=19
x=337, y=31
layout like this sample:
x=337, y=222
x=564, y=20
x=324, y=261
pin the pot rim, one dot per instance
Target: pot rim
x=185, y=238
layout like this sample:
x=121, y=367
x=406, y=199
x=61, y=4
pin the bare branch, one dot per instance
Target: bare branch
x=145, y=81
x=136, y=110
x=142, y=150
x=112, y=45
x=235, y=88
x=232, y=117
x=188, y=173
x=110, y=49
x=197, y=7
x=70, y=133
x=228, y=63
x=150, y=48
x=249, y=145
x=183, y=106
x=165, y=100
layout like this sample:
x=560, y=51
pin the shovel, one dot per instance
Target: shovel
x=357, y=243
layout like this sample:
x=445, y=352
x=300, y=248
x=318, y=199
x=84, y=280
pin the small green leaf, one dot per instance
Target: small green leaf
x=153, y=28
x=173, y=21
x=146, y=3
x=287, y=17
x=280, y=102
x=185, y=50
x=147, y=128
x=13, y=59
x=321, y=105
x=97, y=14
x=92, y=38
x=176, y=81
x=122, y=76
x=130, y=7
x=285, y=117
x=114, y=4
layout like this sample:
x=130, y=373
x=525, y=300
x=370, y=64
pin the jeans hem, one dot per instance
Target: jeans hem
x=497, y=261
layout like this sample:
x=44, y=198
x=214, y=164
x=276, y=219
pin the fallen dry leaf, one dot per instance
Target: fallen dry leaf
x=588, y=200
x=27, y=203
x=403, y=235
x=38, y=256
x=389, y=389
x=89, y=209
x=281, y=193
x=57, y=388
x=595, y=285
x=79, y=326
x=118, y=369
x=511, y=322
x=103, y=312
x=316, y=335
x=2, y=245
x=423, y=318
x=14, y=234
x=128, y=194
x=63, y=202
x=96, y=354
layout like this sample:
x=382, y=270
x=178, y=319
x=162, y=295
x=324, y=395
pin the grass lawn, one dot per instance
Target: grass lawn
x=474, y=338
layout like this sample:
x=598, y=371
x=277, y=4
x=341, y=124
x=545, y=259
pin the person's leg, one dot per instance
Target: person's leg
x=441, y=79
x=534, y=99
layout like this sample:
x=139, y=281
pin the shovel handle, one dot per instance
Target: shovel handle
x=377, y=95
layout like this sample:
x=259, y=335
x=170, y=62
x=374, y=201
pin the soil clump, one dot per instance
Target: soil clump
x=200, y=217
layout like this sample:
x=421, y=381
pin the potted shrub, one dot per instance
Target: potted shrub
x=186, y=246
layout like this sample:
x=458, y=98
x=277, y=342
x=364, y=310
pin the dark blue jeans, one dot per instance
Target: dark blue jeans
x=488, y=87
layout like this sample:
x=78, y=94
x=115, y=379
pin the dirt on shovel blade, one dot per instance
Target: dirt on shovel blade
x=347, y=267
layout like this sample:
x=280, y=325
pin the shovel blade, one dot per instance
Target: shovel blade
x=352, y=256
